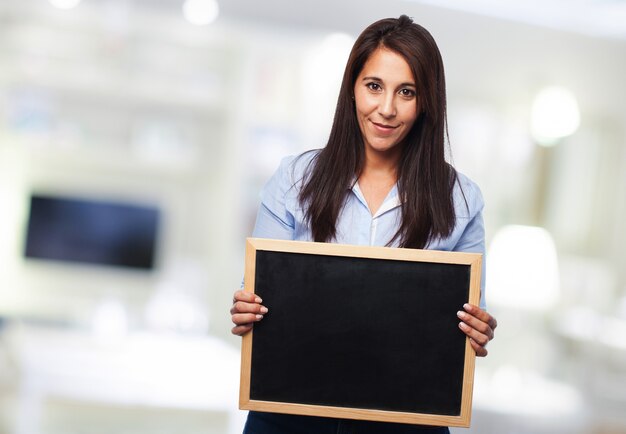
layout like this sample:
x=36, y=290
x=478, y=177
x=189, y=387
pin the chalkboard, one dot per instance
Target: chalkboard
x=359, y=332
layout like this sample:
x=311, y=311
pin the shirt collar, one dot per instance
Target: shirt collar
x=392, y=200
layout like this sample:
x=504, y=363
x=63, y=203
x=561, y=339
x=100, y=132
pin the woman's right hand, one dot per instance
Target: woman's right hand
x=246, y=310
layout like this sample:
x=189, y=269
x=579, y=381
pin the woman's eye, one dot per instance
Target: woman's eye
x=409, y=93
x=373, y=86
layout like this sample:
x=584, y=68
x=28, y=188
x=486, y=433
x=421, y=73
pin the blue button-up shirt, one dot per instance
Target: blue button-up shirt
x=282, y=217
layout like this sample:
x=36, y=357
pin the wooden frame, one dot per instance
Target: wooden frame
x=471, y=260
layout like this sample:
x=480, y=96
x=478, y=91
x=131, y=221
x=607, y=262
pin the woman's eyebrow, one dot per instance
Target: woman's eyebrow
x=374, y=78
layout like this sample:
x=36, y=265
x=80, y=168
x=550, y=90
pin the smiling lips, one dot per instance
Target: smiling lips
x=384, y=129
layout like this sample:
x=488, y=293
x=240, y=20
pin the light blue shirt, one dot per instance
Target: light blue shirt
x=282, y=217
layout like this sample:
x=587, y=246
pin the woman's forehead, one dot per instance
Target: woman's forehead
x=385, y=64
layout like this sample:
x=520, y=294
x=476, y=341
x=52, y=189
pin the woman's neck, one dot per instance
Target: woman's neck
x=383, y=159
x=381, y=164
x=379, y=175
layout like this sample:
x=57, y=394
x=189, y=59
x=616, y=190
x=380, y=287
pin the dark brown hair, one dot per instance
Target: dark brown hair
x=425, y=179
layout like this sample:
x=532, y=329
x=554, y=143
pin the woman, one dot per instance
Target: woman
x=382, y=179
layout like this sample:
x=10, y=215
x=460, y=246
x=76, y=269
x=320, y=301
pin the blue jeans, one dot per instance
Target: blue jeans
x=271, y=423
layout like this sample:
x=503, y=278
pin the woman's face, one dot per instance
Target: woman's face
x=386, y=101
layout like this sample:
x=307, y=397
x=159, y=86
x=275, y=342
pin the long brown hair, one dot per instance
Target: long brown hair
x=425, y=179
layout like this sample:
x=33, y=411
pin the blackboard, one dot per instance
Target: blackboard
x=359, y=332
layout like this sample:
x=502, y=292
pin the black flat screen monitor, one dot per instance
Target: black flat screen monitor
x=93, y=232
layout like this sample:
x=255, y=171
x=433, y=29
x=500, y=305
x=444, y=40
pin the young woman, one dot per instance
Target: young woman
x=383, y=180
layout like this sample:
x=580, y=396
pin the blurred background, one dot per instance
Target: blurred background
x=135, y=136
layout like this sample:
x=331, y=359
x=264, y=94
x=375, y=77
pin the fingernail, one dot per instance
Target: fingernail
x=461, y=314
x=258, y=300
x=463, y=326
x=259, y=317
x=263, y=309
x=467, y=306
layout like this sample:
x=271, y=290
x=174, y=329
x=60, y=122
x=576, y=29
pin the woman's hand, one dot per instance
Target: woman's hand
x=246, y=310
x=478, y=325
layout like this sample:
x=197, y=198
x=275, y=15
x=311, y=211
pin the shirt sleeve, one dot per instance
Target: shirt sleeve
x=274, y=220
x=473, y=238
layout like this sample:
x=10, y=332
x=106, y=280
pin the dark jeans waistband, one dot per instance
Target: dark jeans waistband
x=270, y=423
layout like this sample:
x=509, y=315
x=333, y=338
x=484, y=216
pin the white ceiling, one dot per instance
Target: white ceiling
x=603, y=18
x=598, y=18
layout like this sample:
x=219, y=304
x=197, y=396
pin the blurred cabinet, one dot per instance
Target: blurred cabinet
x=141, y=370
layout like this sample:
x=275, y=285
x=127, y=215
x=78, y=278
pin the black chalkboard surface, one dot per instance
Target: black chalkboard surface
x=359, y=332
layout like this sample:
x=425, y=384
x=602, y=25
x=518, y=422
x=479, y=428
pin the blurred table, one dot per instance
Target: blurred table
x=139, y=369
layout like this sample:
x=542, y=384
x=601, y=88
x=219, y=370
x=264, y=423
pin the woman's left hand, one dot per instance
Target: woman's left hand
x=478, y=325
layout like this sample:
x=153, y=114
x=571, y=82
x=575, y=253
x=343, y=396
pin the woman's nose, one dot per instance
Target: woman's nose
x=387, y=106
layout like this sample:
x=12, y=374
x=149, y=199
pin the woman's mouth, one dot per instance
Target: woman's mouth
x=384, y=128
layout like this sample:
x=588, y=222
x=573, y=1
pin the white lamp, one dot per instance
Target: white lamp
x=554, y=115
x=201, y=12
x=523, y=270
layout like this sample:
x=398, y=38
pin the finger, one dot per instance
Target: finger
x=476, y=324
x=480, y=350
x=245, y=318
x=481, y=338
x=242, y=307
x=245, y=296
x=241, y=330
x=248, y=297
x=481, y=314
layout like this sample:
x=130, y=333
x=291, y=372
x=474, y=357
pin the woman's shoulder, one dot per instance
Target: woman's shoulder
x=468, y=198
x=294, y=168
x=288, y=178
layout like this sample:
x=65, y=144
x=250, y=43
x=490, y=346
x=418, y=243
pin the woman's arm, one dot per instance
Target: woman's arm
x=247, y=308
x=476, y=322
x=273, y=221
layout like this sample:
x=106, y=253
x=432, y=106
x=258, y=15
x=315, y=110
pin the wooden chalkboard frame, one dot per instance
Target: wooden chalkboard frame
x=473, y=260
